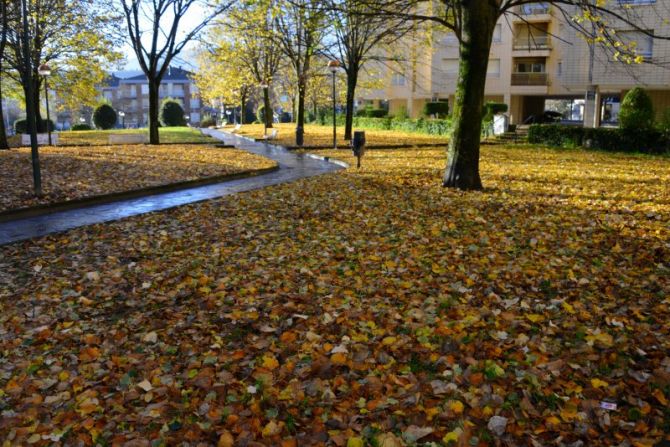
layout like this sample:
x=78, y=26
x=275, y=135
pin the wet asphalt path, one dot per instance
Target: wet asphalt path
x=292, y=167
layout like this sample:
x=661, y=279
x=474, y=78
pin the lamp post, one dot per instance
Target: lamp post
x=265, y=87
x=333, y=66
x=45, y=71
x=229, y=112
x=122, y=114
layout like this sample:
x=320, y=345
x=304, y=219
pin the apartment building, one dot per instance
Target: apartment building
x=131, y=96
x=539, y=62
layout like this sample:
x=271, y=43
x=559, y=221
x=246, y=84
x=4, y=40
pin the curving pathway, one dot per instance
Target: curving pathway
x=292, y=167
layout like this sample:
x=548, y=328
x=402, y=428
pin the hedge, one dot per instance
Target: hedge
x=21, y=126
x=439, y=108
x=648, y=141
x=421, y=125
x=81, y=126
x=104, y=117
x=369, y=112
x=172, y=113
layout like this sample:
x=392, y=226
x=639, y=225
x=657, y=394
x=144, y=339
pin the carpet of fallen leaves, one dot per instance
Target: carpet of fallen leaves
x=364, y=307
x=75, y=172
x=323, y=135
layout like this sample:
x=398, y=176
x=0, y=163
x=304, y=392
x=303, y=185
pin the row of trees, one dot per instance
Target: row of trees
x=286, y=43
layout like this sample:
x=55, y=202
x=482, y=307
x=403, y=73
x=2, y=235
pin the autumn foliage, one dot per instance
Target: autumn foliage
x=365, y=307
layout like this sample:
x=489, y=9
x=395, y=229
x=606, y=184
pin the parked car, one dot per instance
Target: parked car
x=546, y=117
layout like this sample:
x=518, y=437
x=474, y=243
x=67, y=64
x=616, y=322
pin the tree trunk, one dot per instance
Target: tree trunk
x=478, y=22
x=3, y=132
x=243, y=109
x=267, y=108
x=154, y=87
x=352, y=80
x=300, y=122
x=41, y=128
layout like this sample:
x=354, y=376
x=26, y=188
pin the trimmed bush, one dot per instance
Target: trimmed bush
x=440, y=109
x=260, y=113
x=369, y=112
x=664, y=123
x=81, y=126
x=21, y=126
x=207, y=121
x=172, y=114
x=104, y=117
x=648, y=141
x=637, y=111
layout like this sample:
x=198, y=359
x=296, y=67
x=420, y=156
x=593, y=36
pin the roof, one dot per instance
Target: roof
x=172, y=74
x=112, y=81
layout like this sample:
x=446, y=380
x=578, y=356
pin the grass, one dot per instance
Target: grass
x=76, y=172
x=101, y=137
x=354, y=296
x=323, y=136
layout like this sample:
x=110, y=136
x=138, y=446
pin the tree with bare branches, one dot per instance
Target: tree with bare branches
x=157, y=36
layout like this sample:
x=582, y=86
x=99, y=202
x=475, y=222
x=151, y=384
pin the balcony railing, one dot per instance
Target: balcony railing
x=530, y=79
x=539, y=42
x=533, y=9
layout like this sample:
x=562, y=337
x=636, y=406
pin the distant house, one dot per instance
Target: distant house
x=131, y=95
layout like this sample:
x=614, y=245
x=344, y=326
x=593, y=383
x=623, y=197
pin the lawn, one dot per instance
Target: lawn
x=101, y=137
x=76, y=172
x=323, y=135
x=369, y=306
x=167, y=135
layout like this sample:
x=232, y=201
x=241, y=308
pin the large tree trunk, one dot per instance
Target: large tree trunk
x=3, y=132
x=300, y=122
x=154, y=87
x=352, y=80
x=267, y=108
x=478, y=22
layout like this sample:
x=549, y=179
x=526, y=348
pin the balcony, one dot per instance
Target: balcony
x=533, y=9
x=532, y=42
x=530, y=79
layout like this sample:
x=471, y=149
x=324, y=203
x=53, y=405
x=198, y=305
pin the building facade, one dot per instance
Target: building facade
x=131, y=96
x=539, y=62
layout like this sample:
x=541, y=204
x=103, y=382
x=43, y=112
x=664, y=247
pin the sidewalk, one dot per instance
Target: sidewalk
x=292, y=167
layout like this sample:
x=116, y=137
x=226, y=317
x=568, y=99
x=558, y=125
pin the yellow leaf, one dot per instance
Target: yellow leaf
x=452, y=436
x=270, y=362
x=658, y=394
x=568, y=308
x=552, y=420
x=388, y=341
x=535, y=318
x=355, y=442
x=271, y=429
x=597, y=383
x=456, y=406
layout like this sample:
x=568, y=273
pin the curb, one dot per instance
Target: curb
x=40, y=210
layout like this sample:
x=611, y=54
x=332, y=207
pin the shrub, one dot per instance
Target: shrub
x=369, y=112
x=104, y=117
x=648, y=141
x=207, y=121
x=21, y=126
x=402, y=113
x=172, y=114
x=81, y=126
x=664, y=123
x=637, y=111
x=440, y=109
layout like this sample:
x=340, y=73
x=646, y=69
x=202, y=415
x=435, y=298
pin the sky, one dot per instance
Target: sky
x=185, y=58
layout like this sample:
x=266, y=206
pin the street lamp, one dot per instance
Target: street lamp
x=45, y=71
x=122, y=114
x=333, y=66
x=265, y=86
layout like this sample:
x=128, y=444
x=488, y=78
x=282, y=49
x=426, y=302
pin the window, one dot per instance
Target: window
x=493, y=68
x=195, y=103
x=108, y=95
x=145, y=89
x=497, y=33
x=559, y=68
x=530, y=66
x=639, y=42
x=451, y=67
x=637, y=2
x=398, y=79
x=178, y=89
